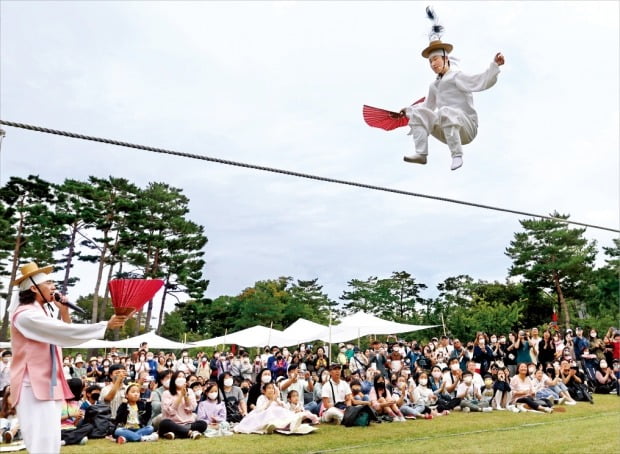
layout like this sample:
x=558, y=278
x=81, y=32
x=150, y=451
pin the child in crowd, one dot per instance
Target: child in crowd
x=71, y=417
x=9, y=424
x=295, y=406
x=487, y=391
x=470, y=395
x=502, y=395
x=213, y=411
x=132, y=418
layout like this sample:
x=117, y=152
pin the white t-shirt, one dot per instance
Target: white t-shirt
x=340, y=391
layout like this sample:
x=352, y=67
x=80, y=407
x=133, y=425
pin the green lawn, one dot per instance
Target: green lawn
x=582, y=428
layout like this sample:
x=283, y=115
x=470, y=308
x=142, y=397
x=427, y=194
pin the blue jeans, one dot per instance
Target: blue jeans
x=312, y=407
x=133, y=434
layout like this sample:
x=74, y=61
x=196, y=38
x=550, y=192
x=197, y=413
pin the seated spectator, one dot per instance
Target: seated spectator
x=383, y=402
x=502, y=393
x=92, y=394
x=212, y=410
x=551, y=379
x=471, y=399
x=523, y=392
x=357, y=396
x=196, y=387
x=132, y=418
x=336, y=395
x=605, y=379
x=79, y=371
x=300, y=382
x=177, y=409
x=574, y=380
x=487, y=391
x=295, y=406
x=369, y=379
x=422, y=398
x=9, y=424
x=477, y=379
x=71, y=416
x=232, y=396
x=269, y=414
x=156, y=397
x=114, y=393
x=262, y=378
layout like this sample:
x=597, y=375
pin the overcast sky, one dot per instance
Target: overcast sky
x=282, y=84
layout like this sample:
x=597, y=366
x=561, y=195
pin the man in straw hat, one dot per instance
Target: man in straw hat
x=37, y=382
x=448, y=111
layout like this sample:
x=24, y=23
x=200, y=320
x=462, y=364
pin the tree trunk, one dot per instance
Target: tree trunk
x=163, y=303
x=104, y=250
x=65, y=282
x=561, y=300
x=102, y=306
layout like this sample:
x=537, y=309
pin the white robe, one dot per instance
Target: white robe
x=450, y=103
x=40, y=419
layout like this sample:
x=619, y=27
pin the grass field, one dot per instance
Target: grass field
x=582, y=428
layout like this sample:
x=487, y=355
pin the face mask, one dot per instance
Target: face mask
x=467, y=380
x=5, y=359
x=325, y=377
x=180, y=382
x=342, y=350
x=212, y=396
x=494, y=339
x=436, y=374
x=266, y=379
x=422, y=381
x=356, y=390
x=603, y=365
x=380, y=385
x=185, y=360
x=502, y=340
x=531, y=370
x=95, y=397
x=488, y=382
x=149, y=358
x=198, y=392
x=142, y=358
x=481, y=341
x=228, y=382
x=244, y=390
x=592, y=333
x=454, y=367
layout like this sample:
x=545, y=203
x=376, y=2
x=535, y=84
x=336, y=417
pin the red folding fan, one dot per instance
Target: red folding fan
x=385, y=119
x=131, y=294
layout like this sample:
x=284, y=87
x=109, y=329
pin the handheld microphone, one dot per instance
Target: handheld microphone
x=75, y=307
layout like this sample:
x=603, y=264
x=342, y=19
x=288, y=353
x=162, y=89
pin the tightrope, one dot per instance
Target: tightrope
x=293, y=173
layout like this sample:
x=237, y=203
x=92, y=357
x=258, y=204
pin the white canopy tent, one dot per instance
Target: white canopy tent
x=153, y=340
x=95, y=343
x=256, y=336
x=303, y=330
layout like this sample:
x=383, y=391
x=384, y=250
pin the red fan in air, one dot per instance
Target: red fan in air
x=130, y=295
x=385, y=119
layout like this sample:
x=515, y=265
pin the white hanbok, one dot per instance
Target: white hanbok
x=268, y=413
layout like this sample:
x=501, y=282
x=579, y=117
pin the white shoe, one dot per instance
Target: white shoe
x=416, y=158
x=561, y=400
x=457, y=162
x=487, y=410
x=501, y=409
x=152, y=437
x=512, y=408
x=465, y=409
x=547, y=409
x=570, y=402
x=521, y=408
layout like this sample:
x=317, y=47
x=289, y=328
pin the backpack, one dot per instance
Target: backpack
x=358, y=415
x=100, y=416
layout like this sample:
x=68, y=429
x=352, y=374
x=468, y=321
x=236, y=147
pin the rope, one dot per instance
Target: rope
x=295, y=174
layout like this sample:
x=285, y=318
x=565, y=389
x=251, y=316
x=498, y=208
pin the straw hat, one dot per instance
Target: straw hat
x=437, y=45
x=30, y=269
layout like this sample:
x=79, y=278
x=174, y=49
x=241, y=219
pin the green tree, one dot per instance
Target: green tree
x=307, y=300
x=263, y=304
x=362, y=296
x=29, y=204
x=173, y=326
x=553, y=257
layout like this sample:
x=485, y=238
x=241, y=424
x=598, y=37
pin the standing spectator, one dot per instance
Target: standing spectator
x=185, y=364
x=483, y=354
x=597, y=346
x=320, y=362
x=522, y=346
x=511, y=354
x=5, y=369
x=546, y=349
x=246, y=367
x=534, y=342
x=580, y=343
x=94, y=371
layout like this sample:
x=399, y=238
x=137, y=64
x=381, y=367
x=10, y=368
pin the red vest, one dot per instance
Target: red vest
x=35, y=358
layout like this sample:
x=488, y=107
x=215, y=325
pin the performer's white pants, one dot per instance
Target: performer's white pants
x=443, y=125
x=39, y=421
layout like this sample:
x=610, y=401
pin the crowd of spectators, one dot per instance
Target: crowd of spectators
x=152, y=395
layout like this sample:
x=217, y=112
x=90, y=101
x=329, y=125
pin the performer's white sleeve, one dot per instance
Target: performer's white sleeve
x=37, y=326
x=477, y=82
